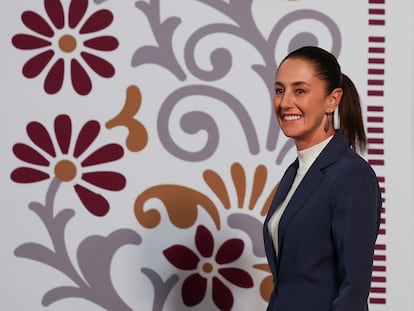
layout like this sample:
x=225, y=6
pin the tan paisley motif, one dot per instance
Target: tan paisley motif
x=181, y=203
x=137, y=137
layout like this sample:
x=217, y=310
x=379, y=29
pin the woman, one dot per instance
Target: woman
x=321, y=228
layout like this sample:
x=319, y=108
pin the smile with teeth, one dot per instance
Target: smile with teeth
x=291, y=117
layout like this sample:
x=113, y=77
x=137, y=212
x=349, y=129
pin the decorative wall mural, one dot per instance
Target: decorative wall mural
x=196, y=227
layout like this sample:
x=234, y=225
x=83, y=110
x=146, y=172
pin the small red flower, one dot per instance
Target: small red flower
x=55, y=40
x=195, y=286
x=66, y=168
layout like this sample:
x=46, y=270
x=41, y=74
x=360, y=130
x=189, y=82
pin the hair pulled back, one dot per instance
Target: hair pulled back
x=328, y=69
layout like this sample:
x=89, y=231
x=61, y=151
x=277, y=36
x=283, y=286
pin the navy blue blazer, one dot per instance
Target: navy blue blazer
x=326, y=235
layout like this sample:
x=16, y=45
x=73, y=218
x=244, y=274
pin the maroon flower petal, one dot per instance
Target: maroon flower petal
x=99, y=65
x=107, y=153
x=63, y=132
x=237, y=276
x=80, y=79
x=86, y=136
x=97, y=21
x=28, y=175
x=94, y=203
x=229, y=251
x=77, y=10
x=55, y=12
x=181, y=257
x=40, y=137
x=29, y=155
x=204, y=241
x=107, y=180
x=36, y=64
x=37, y=23
x=29, y=42
x=54, y=79
x=194, y=289
x=222, y=296
x=104, y=43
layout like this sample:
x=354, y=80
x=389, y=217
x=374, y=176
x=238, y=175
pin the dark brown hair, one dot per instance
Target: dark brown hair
x=328, y=69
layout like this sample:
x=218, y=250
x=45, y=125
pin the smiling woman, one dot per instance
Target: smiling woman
x=321, y=228
x=301, y=104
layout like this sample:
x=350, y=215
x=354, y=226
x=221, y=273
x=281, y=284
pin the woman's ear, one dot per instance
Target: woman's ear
x=334, y=99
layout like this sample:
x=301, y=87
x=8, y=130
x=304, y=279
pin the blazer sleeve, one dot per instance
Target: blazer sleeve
x=356, y=204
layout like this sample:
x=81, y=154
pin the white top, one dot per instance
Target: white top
x=306, y=157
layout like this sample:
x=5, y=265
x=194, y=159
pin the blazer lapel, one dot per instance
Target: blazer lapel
x=283, y=189
x=308, y=185
x=284, y=186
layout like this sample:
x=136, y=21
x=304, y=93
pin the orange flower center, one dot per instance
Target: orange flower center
x=67, y=43
x=65, y=170
x=207, y=267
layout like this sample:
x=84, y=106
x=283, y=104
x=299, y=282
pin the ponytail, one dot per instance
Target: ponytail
x=350, y=116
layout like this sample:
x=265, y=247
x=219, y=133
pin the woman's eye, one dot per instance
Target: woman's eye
x=278, y=91
x=299, y=91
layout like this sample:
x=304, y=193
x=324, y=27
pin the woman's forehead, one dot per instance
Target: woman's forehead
x=294, y=70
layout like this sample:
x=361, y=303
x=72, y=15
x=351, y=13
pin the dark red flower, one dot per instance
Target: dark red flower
x=50, y=161
x=66, y=43
x=195, y=285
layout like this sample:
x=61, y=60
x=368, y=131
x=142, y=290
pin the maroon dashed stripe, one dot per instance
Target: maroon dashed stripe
x=375, y=137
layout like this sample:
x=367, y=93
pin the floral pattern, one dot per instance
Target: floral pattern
x=182, y=204
x=57, y=42
x=195, y=286
x=65, y=168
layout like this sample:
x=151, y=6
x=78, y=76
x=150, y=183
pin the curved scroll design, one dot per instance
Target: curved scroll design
x=180, y=202
x=196, y=121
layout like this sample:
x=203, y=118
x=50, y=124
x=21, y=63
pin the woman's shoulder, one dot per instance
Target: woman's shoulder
x=352, y=163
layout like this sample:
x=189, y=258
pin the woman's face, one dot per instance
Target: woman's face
x=301, y=103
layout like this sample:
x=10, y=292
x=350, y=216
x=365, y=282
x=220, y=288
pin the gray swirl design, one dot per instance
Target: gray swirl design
x=245, y=28
x=221, y=61
x=196, y=121
x=221, y=58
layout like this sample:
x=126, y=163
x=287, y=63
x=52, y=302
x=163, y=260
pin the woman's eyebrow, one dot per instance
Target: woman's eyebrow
x=297, y=83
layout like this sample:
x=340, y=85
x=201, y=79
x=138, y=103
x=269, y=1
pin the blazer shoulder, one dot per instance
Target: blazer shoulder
x=338, y=151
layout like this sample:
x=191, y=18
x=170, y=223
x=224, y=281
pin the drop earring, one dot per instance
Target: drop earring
x=327, y=123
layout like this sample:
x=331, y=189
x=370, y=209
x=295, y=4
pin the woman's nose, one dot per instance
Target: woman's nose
x=285, y=100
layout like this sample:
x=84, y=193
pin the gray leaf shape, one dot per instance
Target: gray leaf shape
x=35, y=252
x=95, y=254
x=163, y=53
